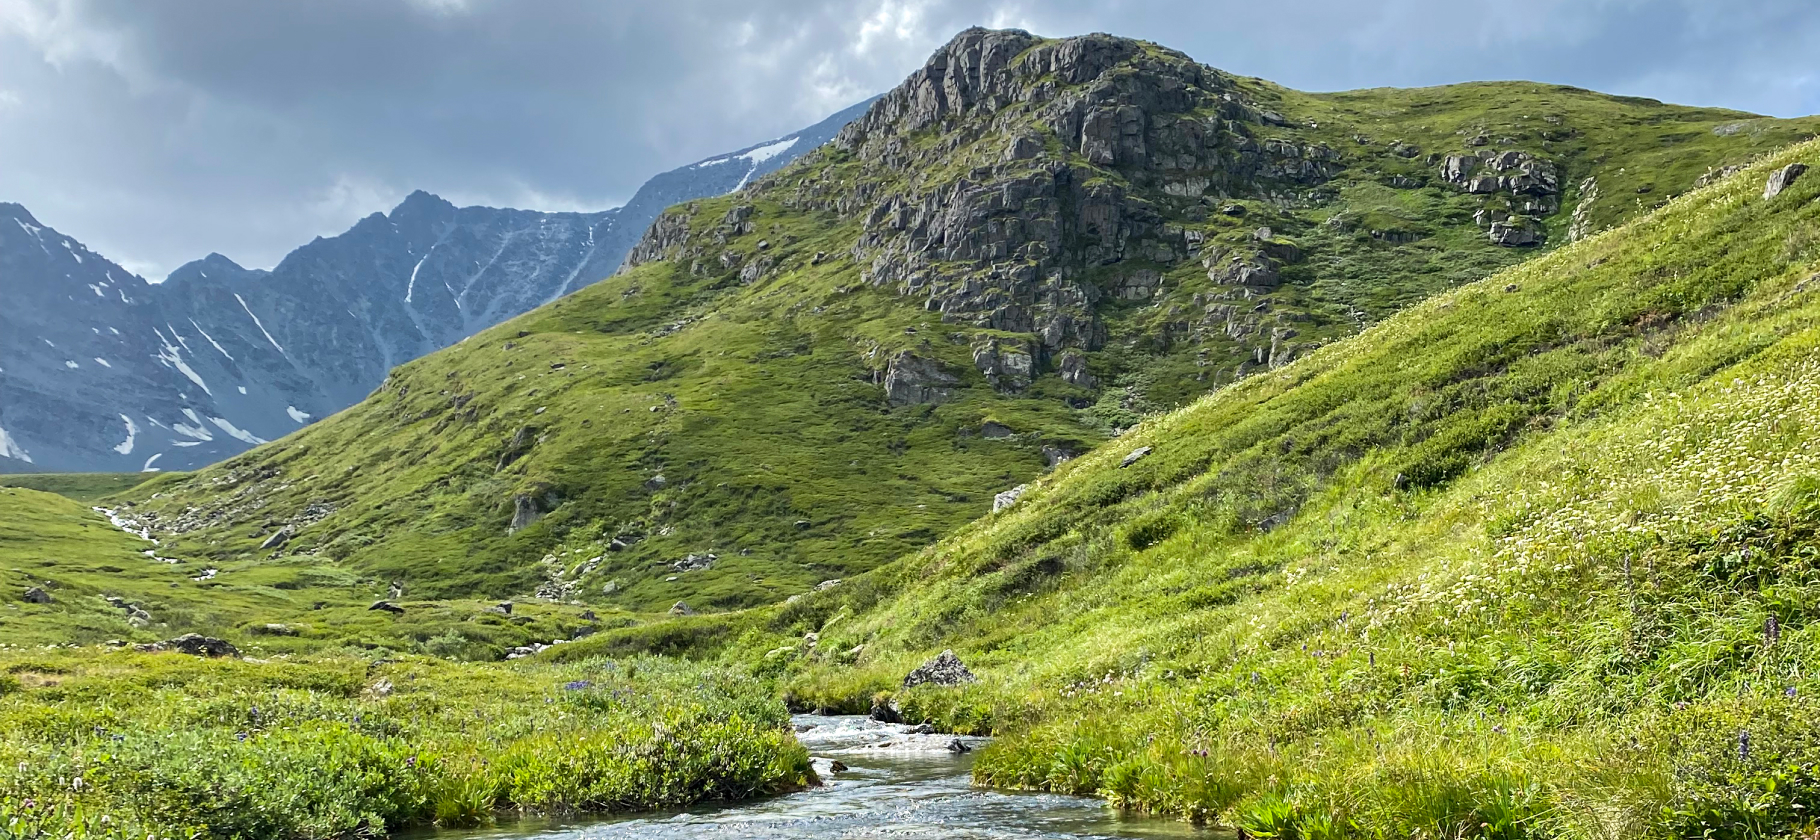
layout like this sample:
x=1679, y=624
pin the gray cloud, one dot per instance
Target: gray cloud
x=158, y=132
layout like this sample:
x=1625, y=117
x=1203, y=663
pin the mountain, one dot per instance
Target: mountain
x=102, y=371
x=1010, y=260
x=1533, y=558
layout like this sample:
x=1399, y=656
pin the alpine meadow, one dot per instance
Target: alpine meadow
x=1391, y=463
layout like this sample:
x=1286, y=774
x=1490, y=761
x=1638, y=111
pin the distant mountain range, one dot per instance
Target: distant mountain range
x=101, y=370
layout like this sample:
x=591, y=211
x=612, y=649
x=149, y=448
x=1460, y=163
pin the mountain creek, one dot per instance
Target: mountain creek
x=897, y=783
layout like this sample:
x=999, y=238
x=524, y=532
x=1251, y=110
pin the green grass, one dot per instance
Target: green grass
x=83, y=487
x=80, y=560
x=1504, y=565
x=120, y=744
x=756, y=403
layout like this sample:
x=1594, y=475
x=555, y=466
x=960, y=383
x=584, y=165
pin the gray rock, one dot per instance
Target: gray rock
x=37, y=595
x=192, y=644
x=944, y=670
x=992, y=430
x=1516, y=232
x=957, y=746
x=1782, y=179
x=913, y=380
x=386, y=606
x=1135, y=456
x=1008, y=498
x=1054, y=456
x=501, y=608
x=1073, y=368
x=886, y=710
x=681, y=609
x=526, y=510
x=278, y=538
x=693, y=562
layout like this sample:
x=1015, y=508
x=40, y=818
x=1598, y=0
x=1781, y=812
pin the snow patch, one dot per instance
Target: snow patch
x=198, y=431
x=171, y=357
x=268, y=336
x=71, y=364
x=300, y=416
x=242, y=390
x=97, y=290
x=769, y=150
x=10, y=448
x=102, y=362
x=235, y=432
x=149, y=468
x=132, y=433
x=412, y=286
x=211, y=341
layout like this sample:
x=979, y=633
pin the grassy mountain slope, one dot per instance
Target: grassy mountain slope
x=104, y=586
x=1534, y=558
x=999, y=266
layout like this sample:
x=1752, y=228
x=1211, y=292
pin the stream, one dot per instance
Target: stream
x=897, y=785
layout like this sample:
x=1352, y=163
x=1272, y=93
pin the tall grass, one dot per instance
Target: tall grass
x=121, y=744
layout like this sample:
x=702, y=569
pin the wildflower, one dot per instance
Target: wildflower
x=577, y=685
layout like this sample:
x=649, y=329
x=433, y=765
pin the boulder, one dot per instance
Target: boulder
x=1783, y=179
x=681, y=609
x=1055, y=455
x=957, y=746
x=386, y=606
x=1515, y=232
x=944, y=670
x=278, y=538
x=37, y=595
x=992, y=430
x=192, y=644
x=1135, y=456
x=1008, y=498
x=502, y=608
x=885, y=709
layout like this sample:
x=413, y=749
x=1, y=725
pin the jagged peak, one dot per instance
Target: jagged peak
x=18, y=211
x=981, y=71
x=420, y=201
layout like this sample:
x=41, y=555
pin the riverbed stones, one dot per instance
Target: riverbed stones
x=944, y=670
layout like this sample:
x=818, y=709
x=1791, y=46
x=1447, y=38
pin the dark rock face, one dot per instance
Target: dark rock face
x=1783, y=179
x=37, y=595
x=912, y=380
x=103, y=371
x=944, y=670
x=386, y=606
x=194, y=645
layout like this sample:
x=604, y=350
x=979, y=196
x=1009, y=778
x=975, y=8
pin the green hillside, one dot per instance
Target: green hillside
x=850, y=358
x=1535, y=558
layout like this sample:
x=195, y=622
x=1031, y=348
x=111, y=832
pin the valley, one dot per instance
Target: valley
x=1388, y=463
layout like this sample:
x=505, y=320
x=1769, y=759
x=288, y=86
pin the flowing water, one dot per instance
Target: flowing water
x=898, y=785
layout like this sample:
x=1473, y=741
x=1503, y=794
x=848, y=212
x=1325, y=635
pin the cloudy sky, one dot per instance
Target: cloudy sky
x=157, y=132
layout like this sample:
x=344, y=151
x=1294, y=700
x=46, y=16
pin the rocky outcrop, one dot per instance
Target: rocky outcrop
x=1782, y=179
x=1008, y=498
x=944, y=670
x=37, y=595
x=912, y=380
x=192, y=644
x=1007, y=365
